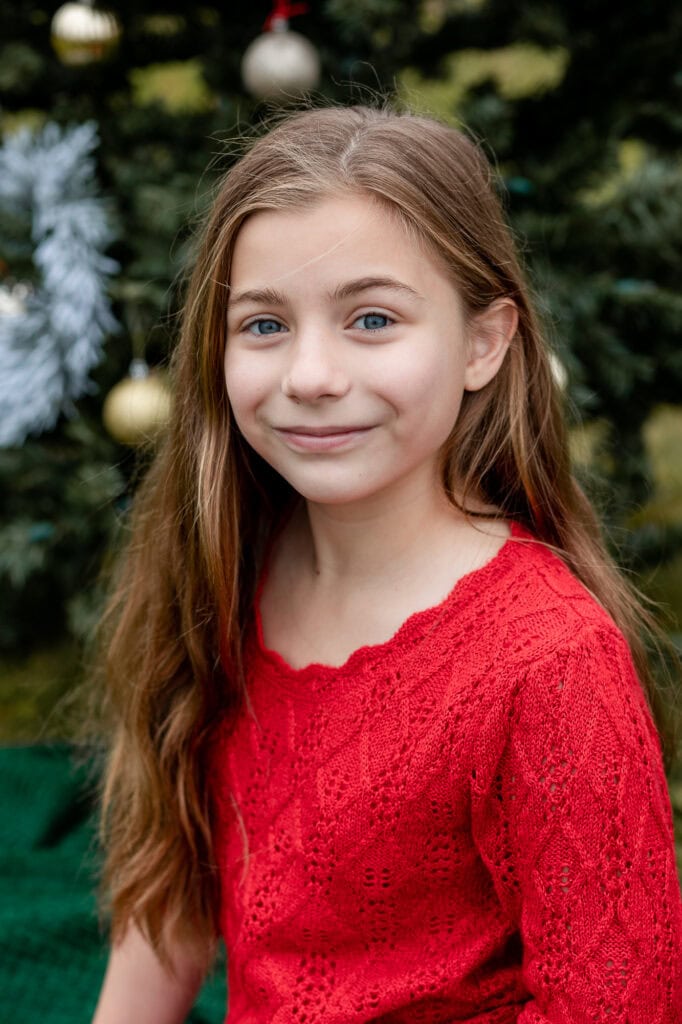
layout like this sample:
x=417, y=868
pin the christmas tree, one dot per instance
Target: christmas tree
x=579, y=105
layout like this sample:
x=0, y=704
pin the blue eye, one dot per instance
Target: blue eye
x=268, y=327
x=374, y=321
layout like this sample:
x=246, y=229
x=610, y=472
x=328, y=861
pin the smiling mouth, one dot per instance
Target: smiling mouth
x=320, y=438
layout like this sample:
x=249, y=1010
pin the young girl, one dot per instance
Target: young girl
x=381, y=712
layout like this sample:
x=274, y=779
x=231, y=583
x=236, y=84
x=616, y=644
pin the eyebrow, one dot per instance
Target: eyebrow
x=271, y=297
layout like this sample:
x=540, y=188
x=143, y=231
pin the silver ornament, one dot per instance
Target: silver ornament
x=280, y=64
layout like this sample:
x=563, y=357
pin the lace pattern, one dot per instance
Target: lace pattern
x=469, y=823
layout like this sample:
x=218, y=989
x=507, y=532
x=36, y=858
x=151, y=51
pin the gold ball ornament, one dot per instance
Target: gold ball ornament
x=280, y=64
x=82, y=34
x=137, y=408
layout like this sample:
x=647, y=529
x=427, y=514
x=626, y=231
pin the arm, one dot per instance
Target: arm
x=138, y=989
x=572, y=817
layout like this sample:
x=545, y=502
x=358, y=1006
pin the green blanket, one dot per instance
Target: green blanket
x=52, y=950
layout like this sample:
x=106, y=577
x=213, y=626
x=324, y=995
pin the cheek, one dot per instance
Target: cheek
x=244, y=383
x=429, y=390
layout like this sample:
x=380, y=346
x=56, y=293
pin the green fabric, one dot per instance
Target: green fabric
x=52, y=950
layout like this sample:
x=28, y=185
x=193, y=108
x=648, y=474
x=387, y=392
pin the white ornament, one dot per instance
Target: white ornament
x=280, y=64
x=82, y=35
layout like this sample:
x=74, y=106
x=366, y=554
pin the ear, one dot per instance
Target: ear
x=489, y=336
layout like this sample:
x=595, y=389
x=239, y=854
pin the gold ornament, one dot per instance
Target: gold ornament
x=137, y=408
x=84, y=35
x=280, y=64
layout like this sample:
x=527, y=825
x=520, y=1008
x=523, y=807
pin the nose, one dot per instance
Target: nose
x=315, y=368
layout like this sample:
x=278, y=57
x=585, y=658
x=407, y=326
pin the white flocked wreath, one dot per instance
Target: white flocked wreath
x=52, y=332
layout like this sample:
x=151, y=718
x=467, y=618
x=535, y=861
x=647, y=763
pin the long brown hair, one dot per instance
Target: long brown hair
x=174, y=627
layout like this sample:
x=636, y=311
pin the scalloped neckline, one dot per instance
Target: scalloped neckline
x=413, y=628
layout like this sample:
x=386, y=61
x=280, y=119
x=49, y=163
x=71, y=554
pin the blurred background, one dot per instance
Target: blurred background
x=115, y=124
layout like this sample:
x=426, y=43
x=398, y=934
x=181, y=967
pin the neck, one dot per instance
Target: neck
x=377, y=539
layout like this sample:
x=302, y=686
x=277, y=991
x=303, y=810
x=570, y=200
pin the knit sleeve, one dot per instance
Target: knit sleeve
x=572, y=818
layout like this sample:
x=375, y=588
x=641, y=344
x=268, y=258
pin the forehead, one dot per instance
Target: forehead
x=326, y=240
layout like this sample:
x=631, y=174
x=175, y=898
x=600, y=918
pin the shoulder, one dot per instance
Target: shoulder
x=543, y=608
x=541, y=636
x=562, y=680
x=566, y=661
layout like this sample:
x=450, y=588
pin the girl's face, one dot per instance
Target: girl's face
x=347, y=354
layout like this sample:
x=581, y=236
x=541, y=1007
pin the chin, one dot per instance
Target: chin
x=334, y=492
x=334, y=496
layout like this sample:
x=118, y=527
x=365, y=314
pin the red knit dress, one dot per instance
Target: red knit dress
x=469, y=822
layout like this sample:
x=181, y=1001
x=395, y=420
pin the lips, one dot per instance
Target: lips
x=320, y=439
x=320, y=431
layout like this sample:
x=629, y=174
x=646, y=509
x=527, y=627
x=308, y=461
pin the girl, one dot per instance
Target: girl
x=379, y=698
